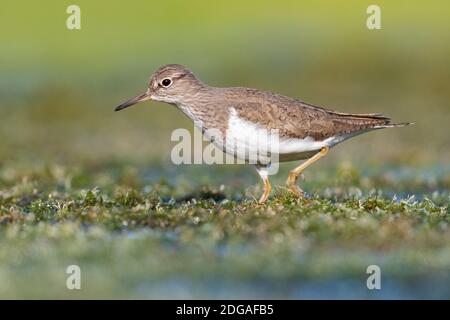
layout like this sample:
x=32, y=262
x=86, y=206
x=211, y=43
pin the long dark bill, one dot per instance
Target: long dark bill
x=142, y=97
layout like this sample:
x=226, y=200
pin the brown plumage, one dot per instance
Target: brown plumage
x=296, y=119
x=305, y=130
x=292, y=117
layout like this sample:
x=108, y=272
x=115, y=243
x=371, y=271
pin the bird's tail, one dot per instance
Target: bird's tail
x=349, y=122
x=395, y=125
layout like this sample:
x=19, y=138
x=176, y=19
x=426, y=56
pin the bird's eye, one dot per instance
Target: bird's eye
x=166, y=82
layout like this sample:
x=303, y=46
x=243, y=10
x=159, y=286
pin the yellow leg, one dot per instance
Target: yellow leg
x=266, y=193
x=262, y=171
x=291, y=181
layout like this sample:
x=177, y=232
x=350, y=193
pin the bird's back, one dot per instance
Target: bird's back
x=296, y=119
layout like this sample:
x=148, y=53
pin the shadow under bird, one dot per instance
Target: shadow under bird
x=305, y=131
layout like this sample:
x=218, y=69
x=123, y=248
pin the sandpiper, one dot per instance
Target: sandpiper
x=305, y=131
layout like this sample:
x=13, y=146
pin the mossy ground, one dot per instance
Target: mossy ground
x=81, y=184
x=144, y=238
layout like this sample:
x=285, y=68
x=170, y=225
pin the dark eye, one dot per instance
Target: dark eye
x=166, y=82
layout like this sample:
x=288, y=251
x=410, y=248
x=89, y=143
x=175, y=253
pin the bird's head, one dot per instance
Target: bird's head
x=172, y=83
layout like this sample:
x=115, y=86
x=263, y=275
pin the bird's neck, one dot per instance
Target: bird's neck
x=197, y=104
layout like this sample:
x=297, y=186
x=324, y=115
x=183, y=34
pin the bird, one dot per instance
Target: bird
x=305, y=131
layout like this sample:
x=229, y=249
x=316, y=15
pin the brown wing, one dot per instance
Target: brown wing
x=296, y=119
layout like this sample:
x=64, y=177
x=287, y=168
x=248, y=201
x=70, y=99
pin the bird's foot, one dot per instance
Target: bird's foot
x=291, y=183
x=297, y=191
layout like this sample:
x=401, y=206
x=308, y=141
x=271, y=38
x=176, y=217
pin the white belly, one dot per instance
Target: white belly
x=245, y=139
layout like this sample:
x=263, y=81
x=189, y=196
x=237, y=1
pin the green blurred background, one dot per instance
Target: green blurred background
x=58, y=86
x=61, y=140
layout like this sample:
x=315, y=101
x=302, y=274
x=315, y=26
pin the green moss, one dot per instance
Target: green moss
x=124, y=236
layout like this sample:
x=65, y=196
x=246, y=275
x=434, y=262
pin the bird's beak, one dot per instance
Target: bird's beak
x=142, y=97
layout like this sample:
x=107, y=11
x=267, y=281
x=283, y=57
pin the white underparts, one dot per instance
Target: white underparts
x=243, y=134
